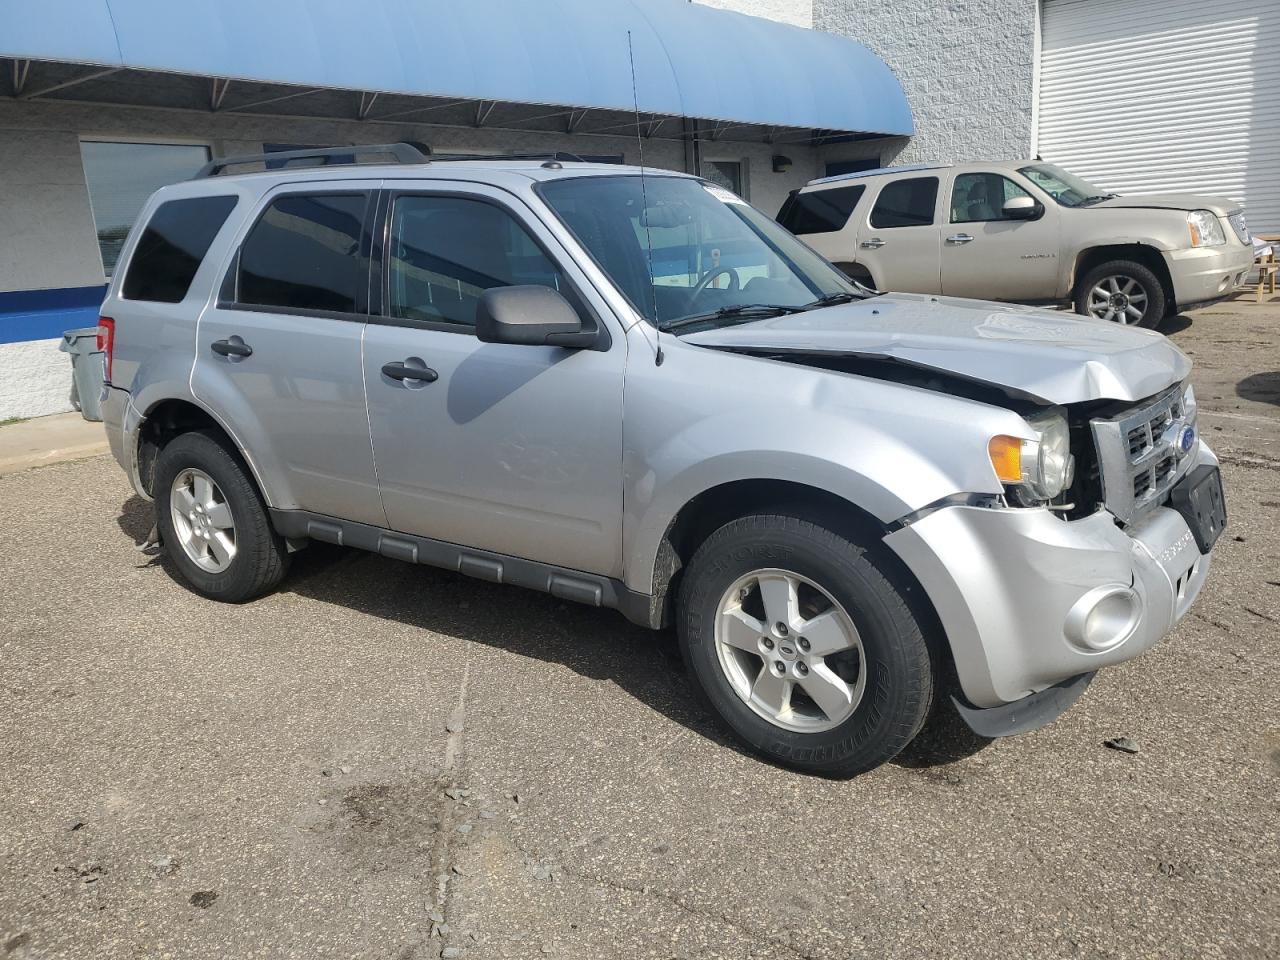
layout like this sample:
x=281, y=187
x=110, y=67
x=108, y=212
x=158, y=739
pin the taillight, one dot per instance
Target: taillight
x=107, y=340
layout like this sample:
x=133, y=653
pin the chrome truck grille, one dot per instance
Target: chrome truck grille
x=1144, y=451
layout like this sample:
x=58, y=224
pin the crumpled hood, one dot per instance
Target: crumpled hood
x=1222, y=206
x=1056, y=357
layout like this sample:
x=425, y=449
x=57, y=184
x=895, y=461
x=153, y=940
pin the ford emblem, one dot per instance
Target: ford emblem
x=1187, y=439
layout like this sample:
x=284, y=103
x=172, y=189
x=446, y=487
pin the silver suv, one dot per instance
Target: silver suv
x=1028, y=232
x=631, y=389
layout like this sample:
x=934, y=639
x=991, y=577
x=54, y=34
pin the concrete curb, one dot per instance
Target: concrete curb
x=46, y=440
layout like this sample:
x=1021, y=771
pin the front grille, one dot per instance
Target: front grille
x=1141, y=455
x=1239, y=225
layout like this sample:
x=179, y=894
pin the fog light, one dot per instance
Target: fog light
x=1103, y=618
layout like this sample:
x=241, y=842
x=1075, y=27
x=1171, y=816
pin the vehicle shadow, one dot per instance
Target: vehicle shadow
x=594, y=643
x=1175, y=324
x=1262, y=387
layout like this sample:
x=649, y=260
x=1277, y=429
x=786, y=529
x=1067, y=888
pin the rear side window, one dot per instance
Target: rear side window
x=906, y=203
x=821, y=211
x=304, y=254
x=173, y=245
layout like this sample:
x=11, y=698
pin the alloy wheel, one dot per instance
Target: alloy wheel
x=1119, y=298
x=790, y=651
x=202, y=520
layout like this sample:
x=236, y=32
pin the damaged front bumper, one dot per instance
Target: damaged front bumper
x=1030, y=602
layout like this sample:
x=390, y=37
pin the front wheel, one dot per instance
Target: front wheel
x=1122, y=291
x=804, y=647
x=213, y=521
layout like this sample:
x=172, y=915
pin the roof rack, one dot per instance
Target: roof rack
x=557, y=156
x=879, y=171
x=324, y=156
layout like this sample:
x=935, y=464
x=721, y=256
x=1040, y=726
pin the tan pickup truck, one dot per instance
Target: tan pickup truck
x=1028, y=232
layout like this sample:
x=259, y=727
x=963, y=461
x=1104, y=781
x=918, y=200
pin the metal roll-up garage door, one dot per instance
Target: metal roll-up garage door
x=1180, y=95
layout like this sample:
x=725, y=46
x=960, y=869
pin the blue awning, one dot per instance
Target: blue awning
x=690, y=60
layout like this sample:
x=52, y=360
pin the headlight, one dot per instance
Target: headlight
x=1043, y=468
x=1206, y=229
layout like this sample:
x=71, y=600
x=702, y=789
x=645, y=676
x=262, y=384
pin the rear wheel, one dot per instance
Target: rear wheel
x=803, y=646
x=1122, y=291
x=213, y=521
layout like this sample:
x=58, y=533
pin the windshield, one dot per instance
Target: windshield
x=1068, y=189
x=686, y=252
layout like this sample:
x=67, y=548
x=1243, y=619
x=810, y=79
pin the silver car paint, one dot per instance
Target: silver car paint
x=708, y=416
x=1058, y=357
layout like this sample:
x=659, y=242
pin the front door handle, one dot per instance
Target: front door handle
x=873, y=244
x=960, y=238
x=411, y=369
x=232, y=347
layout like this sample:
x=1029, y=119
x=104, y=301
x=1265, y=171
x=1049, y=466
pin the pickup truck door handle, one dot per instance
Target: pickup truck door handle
x=234, y=347
x=411, y=369
x=872, y=244
x=959, y=238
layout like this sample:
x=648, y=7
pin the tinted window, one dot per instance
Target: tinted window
x=304, y=253
x=171, y=248
x=979, y=197
x=906, y=203
x=821, y=211
x=447, y=251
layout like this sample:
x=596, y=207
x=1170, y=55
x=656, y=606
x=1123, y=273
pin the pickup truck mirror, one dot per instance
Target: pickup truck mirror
x=1023, y=208
x=531, y=315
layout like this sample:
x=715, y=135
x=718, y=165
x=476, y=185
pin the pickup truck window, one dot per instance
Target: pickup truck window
x=172, y=247
x=820, y=211
x=303, y=253
x=980, y=197
x=906, y=203
x=447, y=251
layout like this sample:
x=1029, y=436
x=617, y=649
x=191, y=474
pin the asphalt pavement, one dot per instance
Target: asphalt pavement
x=387, y=761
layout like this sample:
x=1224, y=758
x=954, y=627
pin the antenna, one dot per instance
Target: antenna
x=644, y=208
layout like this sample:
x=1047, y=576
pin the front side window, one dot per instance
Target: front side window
x=681, y=249
x=979, y=197
x=304, y=254
x=820, y=211
x=447, y=251
x=1065, y=188
x=906, y=203
x=170, y=250
x=120, y=178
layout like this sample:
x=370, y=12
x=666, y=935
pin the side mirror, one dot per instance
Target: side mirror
x=1022, y=208
x=530, y=315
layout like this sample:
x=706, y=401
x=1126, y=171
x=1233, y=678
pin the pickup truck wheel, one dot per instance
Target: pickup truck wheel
x=803, y=646
x=213, y=521
x=1122, y=291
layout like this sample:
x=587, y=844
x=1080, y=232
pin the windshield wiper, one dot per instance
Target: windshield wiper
x=743, y=311
x=831, y=299
x=1096, y=198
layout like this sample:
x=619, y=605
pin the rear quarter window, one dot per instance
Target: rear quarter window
x=172, y=247
x=820, y=211
x=906, y=203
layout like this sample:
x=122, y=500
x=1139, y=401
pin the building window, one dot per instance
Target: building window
x=121, y=176
x=725, y=173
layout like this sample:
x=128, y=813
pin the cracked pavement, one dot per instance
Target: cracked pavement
x=388, y=761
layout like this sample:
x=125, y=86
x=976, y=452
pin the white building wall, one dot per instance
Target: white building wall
x=798, y=13
x=967, y=67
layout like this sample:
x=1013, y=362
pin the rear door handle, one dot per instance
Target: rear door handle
x=960, y=238
x=233, y=347
x=872, y=244
x=411, y=369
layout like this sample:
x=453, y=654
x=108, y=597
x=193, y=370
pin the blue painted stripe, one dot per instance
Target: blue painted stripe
x=45, y=314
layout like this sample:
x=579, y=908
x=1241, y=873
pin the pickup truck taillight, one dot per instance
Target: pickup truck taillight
x=107, y=340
